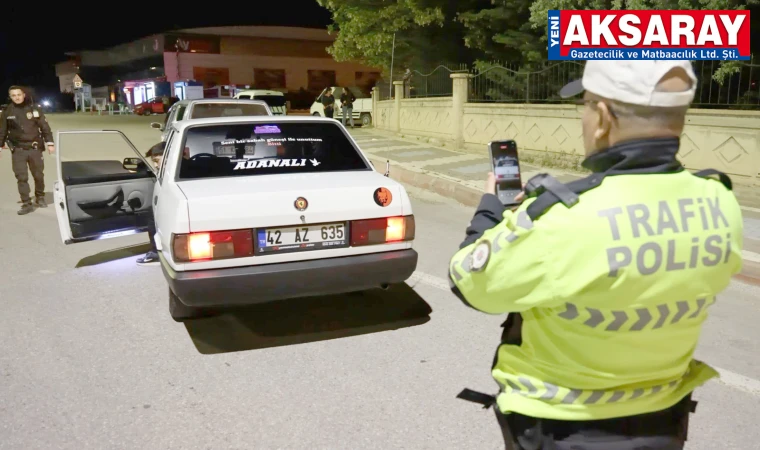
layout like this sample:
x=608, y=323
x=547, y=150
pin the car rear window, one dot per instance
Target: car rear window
x=208, y=110
x=230, y=150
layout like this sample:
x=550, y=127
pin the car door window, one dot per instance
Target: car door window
x=180, y=113
x=164, y=157
x=170, y=116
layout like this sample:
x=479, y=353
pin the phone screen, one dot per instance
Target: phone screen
x=506, y=170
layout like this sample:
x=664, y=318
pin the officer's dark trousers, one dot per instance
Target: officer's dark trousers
x=151, y=233
x=23, y=161
x=662, y=430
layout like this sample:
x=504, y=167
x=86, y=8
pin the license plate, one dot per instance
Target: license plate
x=302, y=238
x=229, y=150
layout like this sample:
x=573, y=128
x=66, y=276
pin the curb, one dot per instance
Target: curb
x=464, y=194
x=441, y=186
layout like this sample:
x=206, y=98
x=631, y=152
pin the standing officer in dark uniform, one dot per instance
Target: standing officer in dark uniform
x=27, y=132
x=328, y=101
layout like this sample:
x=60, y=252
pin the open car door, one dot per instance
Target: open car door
x=104, y=187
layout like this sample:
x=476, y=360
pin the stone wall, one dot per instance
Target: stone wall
x=726, y=140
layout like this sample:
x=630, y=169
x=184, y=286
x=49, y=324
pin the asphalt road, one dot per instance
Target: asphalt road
x=90, y=359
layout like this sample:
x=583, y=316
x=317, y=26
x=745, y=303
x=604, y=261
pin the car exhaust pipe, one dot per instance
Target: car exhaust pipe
x=385, y=286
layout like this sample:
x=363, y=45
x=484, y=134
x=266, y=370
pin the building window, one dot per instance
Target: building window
x=211, y=76
x=320, y=79
x=269, y=79
x=366, y=80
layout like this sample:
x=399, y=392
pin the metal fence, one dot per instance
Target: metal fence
x=434, y=83
x=420, y=84
x=509, y=83
x=500, y=83
x=385, y=88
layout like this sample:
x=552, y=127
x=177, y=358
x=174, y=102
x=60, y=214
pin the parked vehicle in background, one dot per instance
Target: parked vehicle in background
x=275, y=99
x=156, y=105
x=210, y=107
x=362, y=106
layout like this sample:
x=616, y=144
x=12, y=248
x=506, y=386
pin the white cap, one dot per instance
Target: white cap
x=632, y=81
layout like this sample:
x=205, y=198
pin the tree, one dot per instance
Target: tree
x=502, y=32
x=365, y=29
x=539, y=11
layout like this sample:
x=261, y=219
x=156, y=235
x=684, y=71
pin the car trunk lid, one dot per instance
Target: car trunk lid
x=270, y=201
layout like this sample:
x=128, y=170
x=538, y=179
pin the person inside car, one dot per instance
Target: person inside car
x=155, y=154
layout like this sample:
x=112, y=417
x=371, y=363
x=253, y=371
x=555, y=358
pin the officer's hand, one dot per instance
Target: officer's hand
x=490, y=187
x=51, y=149
x=520, y=197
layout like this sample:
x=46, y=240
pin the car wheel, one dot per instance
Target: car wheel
x=366, y=119
x=181, y=312
x=146, y=112
x=317, y=114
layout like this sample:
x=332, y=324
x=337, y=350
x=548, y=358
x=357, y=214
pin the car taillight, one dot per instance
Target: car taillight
x=212, y=245
x=382, y=231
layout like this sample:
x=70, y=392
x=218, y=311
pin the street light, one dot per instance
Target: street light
x=393, y=53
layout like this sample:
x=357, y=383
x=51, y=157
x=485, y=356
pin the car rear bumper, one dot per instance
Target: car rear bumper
x=270, y=282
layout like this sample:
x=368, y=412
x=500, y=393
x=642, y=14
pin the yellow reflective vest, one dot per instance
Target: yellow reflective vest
x=612, y=291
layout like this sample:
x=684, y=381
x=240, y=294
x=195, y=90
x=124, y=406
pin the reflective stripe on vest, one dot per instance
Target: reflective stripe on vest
x=552, y=393
x=594, y=318
x=522, y=221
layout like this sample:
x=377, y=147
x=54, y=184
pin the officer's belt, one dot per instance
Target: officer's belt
x=631, y=425
x=34, y=145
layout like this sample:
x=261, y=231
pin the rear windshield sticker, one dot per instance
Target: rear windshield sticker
x=266, y=163
x=267, y=129
x=269, y=141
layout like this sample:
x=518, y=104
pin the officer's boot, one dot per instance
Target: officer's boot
x=26, y=208
x=40, y=202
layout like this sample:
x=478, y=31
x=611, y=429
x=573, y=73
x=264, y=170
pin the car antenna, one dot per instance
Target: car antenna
x=387, y=168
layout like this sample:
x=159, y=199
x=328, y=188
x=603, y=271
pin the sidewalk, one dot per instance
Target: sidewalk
x=460, y=176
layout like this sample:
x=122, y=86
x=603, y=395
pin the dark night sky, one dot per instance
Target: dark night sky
x=33, y=38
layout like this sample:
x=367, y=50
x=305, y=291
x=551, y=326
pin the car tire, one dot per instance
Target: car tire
x=317, y=114
x=366, y=119
x=146, y=112
x=181, y=312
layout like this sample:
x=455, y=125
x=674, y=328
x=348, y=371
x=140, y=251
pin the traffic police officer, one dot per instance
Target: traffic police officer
x=27, y=131
x=607, y=280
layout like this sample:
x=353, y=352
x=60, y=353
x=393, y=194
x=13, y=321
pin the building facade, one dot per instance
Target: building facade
x=286, y=59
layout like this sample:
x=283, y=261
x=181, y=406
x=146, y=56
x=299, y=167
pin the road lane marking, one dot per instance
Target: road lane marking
x=735, y=380
x=749, y=208
x=727, y=377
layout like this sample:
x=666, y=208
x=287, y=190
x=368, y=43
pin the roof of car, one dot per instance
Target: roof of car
x=180, y=126
x=261, y=91
x=220, y=100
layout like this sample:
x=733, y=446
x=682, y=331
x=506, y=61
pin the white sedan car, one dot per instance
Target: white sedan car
x=507, y=168
x=248, y=210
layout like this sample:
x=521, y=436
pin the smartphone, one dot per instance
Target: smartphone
x=506, y=169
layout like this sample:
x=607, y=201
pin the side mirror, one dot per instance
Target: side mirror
x=132, y=164
x=157, y=126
